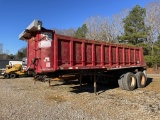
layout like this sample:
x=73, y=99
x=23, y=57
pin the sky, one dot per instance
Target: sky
x=16, y=15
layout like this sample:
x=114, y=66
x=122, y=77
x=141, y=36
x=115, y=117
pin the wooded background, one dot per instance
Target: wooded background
x=136, y=27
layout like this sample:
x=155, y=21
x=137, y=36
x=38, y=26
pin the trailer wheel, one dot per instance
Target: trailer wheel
x=13, y=76
x=6, y=76
x=129, y=81
x=120, y=82
x=141, y=79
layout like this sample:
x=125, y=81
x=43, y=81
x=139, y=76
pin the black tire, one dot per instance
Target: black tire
x=13, y=76
x=120, y=82
x=6, y=76
x=141, y=79
x=17, y=76
x=129, y=81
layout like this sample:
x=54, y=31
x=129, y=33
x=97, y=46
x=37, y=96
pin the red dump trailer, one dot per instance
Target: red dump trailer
x=52, y=54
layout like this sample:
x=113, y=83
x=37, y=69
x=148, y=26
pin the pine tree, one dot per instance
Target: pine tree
x=134, y=25
x=81, y=32
x=157, y=43
x=21, y=53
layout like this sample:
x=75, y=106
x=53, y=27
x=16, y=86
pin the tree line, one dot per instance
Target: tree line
x=139, y=26
x=4, y=54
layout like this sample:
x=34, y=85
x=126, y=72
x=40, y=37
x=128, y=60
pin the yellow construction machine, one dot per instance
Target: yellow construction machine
x=13, y=71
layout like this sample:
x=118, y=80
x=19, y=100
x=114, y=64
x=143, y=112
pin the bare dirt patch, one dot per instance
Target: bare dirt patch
x=153, y=71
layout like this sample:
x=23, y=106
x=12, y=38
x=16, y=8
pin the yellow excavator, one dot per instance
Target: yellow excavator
x=13, y=71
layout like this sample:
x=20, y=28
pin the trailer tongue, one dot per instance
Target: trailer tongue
x=50, y=54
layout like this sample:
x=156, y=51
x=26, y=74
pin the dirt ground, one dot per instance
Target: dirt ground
x=21, y=99
x=153, y=71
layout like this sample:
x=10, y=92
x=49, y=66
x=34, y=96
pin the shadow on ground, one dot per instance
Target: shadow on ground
x=87, y=86
x=149, y=80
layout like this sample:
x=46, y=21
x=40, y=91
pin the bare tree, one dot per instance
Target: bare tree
x=117, y=24
x=152, y=20
x=106, y=29
x=98, y=28
x=3, y=53
x=1, y=48
x=67, y=32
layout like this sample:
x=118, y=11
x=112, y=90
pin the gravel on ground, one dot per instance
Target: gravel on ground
x=21, y=99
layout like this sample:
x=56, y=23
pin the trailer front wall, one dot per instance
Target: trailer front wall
x=31, y=51
x=40, y=52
